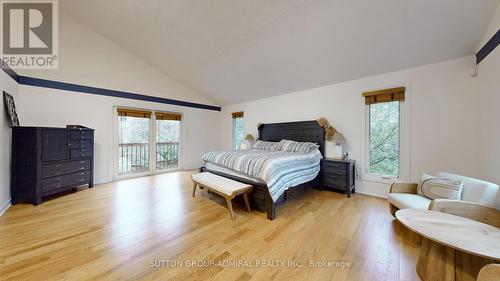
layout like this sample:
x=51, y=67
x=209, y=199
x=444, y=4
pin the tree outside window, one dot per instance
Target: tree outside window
x=238, y=132
x=384, y=146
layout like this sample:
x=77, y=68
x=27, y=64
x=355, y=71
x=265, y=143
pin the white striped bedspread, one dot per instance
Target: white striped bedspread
x=279, y=169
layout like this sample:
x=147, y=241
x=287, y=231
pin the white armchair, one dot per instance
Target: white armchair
x=404, y=195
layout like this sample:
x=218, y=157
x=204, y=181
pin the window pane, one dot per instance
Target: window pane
x=133, y=145
x=167, y=144
x=237, y=132
x=384, y=139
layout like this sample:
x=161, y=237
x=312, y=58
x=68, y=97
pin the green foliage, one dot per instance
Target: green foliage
x=168, y=131
x=133, y=129
x=167, y=148
x=134, y=134
x=238, y=132
x=384, y=139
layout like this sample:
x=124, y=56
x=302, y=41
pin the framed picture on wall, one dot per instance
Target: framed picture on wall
x=10, y=109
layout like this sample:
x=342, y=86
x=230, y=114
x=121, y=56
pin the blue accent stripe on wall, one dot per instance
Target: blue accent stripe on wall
x=488, y=47
x=31, y=81
x=10, y=72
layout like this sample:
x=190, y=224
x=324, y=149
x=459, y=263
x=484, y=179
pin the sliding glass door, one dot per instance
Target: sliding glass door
x=168, y=132
x=148, y=142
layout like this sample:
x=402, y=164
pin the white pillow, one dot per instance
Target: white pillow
x=265, y=145
x=434, y=188
x=296, y=146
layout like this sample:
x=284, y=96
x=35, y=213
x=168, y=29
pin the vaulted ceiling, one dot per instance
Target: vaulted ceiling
x=238, y=50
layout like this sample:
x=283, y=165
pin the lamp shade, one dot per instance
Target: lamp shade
x=338, y=138
x=249, y=137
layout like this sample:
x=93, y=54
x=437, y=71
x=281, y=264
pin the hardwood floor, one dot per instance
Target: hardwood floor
x=120, y=231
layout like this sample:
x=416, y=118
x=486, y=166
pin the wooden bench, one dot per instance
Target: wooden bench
x=226, y=188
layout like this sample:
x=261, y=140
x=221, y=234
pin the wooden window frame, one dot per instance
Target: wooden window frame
x=405, y=135
x=152, y=148
x=385, y=95
x=235, y=116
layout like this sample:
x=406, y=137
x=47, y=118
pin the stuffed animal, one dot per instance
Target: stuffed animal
x=329, y=129
x=322, y=122
x=329, y=132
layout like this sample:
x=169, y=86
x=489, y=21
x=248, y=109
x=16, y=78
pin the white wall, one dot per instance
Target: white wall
x=88, y=58
x=489, y=93
x=492, y=28
x=444, y=116
x=10, y=86
x=43, y=107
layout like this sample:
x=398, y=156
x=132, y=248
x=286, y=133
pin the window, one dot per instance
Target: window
x=168, y=130
x=384, y=132
x=238, y=129
x=133, y=141
x=148, y=142
x=384, y=139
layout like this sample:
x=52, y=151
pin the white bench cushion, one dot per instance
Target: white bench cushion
x=221, y=184
x=408, y=201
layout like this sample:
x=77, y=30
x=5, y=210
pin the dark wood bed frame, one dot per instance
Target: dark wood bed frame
x=308, y=131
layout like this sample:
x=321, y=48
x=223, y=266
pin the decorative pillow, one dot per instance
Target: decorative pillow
x=295, y=146
x=434, y=188
x=265, y=145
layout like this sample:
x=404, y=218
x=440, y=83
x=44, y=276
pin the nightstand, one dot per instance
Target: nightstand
x=338, y=175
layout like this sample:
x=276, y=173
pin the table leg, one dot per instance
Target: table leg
x=247, y=202
x=440, y=262
x=467, y=266
x=194, y=188
x=230, y=208
x=436, y=261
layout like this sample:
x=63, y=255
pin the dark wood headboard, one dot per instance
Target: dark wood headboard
x=297, y=131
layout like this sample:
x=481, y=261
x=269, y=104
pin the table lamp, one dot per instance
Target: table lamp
x=337, y=140
x=249, y=141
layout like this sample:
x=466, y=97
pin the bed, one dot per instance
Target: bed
x=261, y=198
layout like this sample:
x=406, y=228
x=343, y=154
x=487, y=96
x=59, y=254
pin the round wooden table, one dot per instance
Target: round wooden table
x=453, y=247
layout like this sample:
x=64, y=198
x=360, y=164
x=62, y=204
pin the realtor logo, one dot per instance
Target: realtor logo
x=29, y=34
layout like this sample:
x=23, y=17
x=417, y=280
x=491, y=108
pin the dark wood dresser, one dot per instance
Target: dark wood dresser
x=339, y=175
x=46, y=161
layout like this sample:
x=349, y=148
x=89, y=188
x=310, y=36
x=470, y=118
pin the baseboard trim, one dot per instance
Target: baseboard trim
x=5, y=207
x=372, y=194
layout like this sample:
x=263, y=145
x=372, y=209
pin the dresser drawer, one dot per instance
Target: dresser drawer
x=62, y=168
x=333, y=167
x=53, y=183
x=81, y=135
x=80, y=178
x=332, y=180
x=80, y=143
x=80, y=152
x=74, y=179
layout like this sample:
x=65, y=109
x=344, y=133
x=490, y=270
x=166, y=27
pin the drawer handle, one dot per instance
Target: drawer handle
x=57, y=186
x=58, y=179
x=82, y=162
x=58, y=172
x=81, y=168
x=58, y=165
x=82, y=180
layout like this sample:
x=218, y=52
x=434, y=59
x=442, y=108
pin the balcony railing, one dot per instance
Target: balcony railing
x=167, y=155
x=134, y=157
